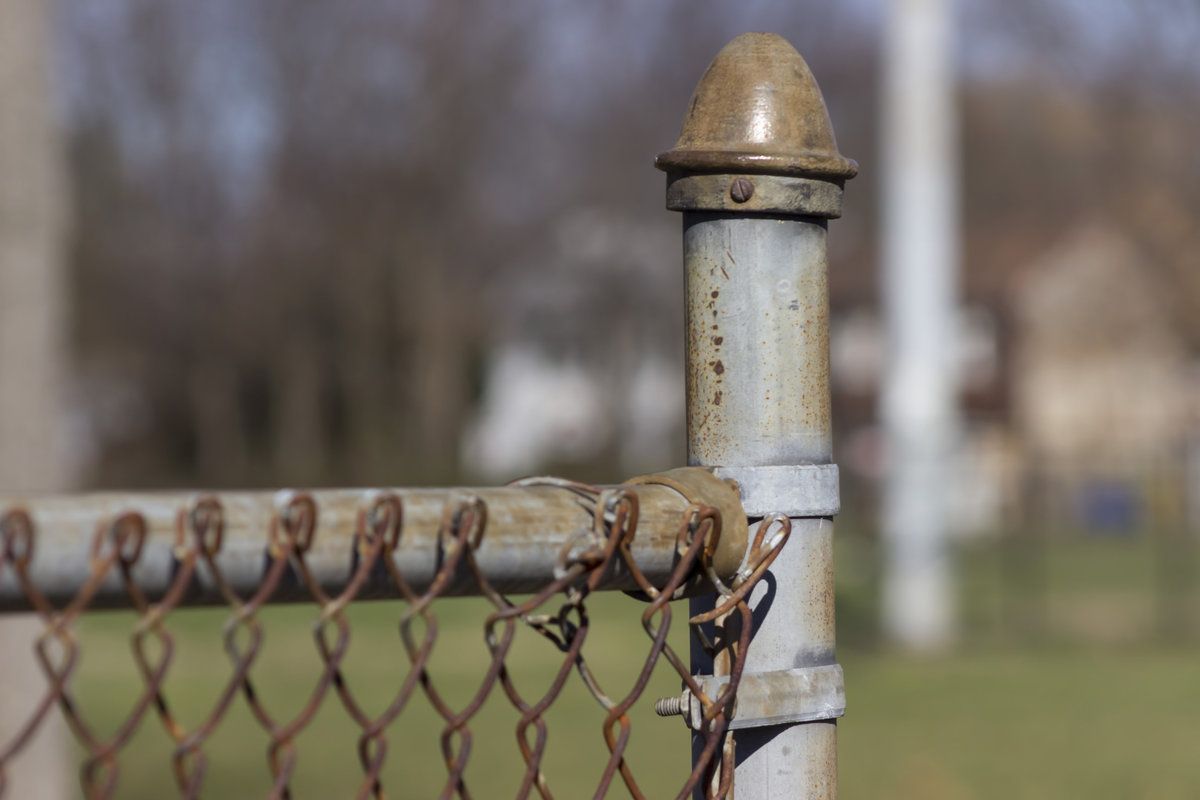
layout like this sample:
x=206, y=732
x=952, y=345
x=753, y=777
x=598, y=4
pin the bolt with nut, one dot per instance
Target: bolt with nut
x=678, y=706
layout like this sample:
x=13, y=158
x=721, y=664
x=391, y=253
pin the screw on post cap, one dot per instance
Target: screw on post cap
x=758, y=110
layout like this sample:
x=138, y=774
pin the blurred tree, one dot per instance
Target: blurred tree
x=303, y=227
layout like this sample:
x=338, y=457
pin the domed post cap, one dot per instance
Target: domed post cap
x=758, y=109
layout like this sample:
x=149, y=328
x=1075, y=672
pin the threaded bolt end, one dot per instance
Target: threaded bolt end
x=669, y=706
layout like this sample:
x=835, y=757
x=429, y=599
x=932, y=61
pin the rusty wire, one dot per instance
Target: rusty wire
x=557, y=612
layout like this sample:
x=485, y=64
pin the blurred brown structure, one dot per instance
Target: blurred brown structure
x=1102, y=373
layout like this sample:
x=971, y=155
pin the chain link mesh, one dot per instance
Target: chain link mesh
x=558, y=612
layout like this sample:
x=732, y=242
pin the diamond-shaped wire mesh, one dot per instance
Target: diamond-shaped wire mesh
x=558, y=612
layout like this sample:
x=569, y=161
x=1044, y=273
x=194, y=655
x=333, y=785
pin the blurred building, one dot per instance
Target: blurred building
x=1102, y=374
x=1081, y=377
x=585, y=370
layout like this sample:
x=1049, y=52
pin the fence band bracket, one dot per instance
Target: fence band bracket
x=754, y=194
x=805, y=490
x=805, y=694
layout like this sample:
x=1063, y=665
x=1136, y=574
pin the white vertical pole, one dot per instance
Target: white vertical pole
x=920, y=261
x=33, y=233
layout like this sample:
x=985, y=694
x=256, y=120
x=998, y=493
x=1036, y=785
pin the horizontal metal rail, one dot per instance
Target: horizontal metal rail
x=521, y=537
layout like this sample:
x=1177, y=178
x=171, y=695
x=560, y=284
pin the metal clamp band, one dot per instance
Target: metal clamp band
x=755, y=194
x=783, y=697
x=809, y=490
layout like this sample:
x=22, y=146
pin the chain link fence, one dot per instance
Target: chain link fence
x=130, y=550
x=755, y=222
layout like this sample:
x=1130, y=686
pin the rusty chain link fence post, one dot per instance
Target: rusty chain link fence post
x=757, y=174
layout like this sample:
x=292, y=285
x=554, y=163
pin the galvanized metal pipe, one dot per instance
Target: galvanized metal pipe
x=773, y=410
x=527, y=529
x=758, y=340
x=758, y=373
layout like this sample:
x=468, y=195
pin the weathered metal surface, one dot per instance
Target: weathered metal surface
x=528, y=527
x=758, y=395
x=758, y=364
x=758, y=340
x=762, y=194
x=804, y=694
x=795, y=603
x=704, y=486
x=805, y=490
x=758, y=109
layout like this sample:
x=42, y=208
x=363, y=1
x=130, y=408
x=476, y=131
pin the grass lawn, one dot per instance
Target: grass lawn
x=1052, y=724
x=995, y=721
x=287, y=670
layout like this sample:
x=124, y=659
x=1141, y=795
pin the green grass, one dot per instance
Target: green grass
x=1062, y=590
x=1004, y=719
x=1061, y=724
x=1078, y=676
x=288, y=668
x=1052, y=724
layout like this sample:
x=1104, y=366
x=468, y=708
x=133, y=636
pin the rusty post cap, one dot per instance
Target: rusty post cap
x=758, y=109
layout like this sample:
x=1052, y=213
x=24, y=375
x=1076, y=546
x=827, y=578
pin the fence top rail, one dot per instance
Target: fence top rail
x=521, y=537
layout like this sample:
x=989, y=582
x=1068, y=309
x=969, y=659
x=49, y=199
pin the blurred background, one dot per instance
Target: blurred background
x=250, y=244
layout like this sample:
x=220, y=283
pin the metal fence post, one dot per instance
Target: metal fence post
x=757, y=174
